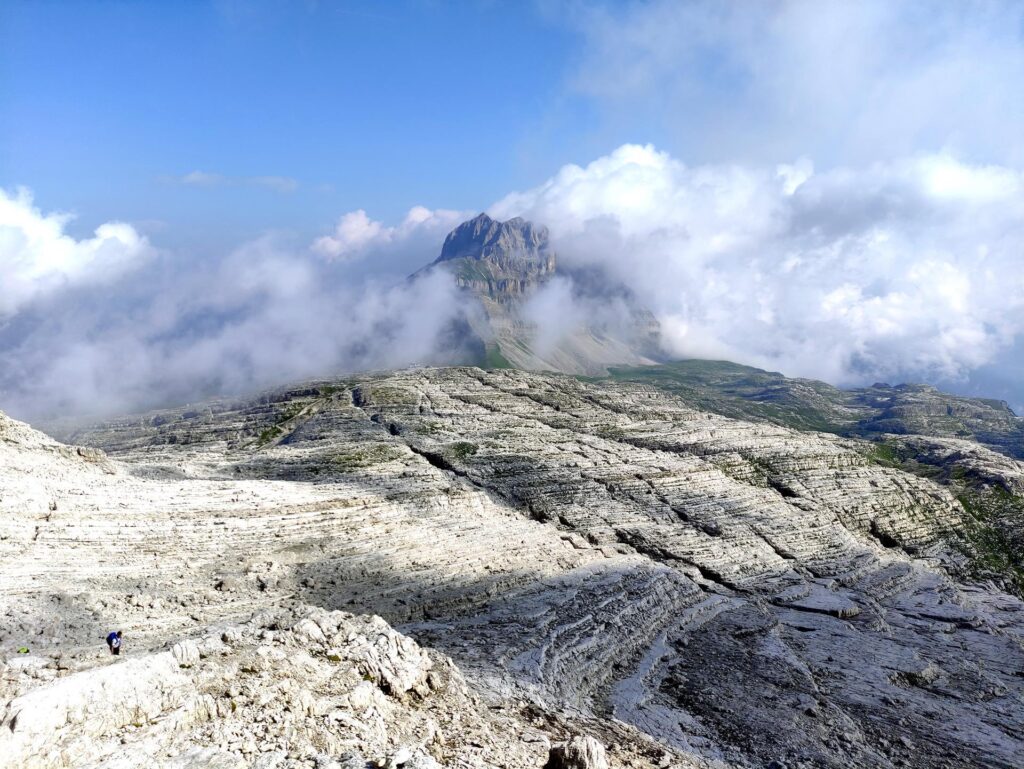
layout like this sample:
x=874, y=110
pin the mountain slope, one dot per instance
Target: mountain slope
x=732, y=592
x=503, y=265
x=911, y=409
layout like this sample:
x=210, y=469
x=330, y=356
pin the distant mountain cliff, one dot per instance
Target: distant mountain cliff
x=500, y=260
x=503, y=265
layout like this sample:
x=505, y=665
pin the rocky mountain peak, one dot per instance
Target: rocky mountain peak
x=498, y=261
x=503, y=264
x=482, y=237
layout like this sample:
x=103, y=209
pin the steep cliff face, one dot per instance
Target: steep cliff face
x=503, y=265
x=502, y=261
x=731, y=592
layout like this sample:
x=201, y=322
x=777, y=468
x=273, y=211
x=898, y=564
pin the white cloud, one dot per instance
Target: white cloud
x=85, y=333
x=901, y=269
x=356, y=234
x=904, y=269
x=277, y=183
x=38, y=259
x=840, y=82
x=203, y=179
x=353, y=233
x=282, y=184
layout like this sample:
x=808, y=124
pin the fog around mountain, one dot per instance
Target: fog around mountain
x=828, y=190
x=901, y=272
x=601, y=384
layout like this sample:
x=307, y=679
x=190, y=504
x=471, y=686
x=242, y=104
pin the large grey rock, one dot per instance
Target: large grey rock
x=73, y=715
x=578, y=753
x=186, y=653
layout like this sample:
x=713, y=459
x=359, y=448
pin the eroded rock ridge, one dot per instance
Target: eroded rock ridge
x=586, y=560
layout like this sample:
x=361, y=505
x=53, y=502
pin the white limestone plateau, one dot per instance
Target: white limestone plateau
x=465, y=568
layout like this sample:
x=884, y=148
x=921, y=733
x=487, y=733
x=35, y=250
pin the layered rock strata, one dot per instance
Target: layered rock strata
x=881, y=409
x=691, y=588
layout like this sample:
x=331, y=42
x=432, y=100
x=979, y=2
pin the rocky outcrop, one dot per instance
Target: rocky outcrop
x=503, y=264
x=598, y=559
x=327, y=688
x=906, y=409
x=578, y=753
x=503, y=261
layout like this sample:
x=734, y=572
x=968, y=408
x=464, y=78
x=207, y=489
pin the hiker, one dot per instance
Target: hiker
x=114, y=642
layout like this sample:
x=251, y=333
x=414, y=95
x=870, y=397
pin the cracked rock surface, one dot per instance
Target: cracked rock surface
x=583, y=560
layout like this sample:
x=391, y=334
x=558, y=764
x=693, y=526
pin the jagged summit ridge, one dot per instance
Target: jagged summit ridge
x=498, y=261
x=485, y=238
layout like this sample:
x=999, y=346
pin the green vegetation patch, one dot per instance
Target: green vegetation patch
x=899, y=456
x=289, y=411
x=743, y=392
x=494, y=359
x=378, y=395
x=462, y=450
x=886, y=454
x=994, y=525
x=284, y=412
x=270, y=434
x=328, y=391
x=366, y=456
x=996, y=531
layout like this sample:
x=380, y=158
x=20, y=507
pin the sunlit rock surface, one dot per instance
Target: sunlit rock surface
x=594, y=558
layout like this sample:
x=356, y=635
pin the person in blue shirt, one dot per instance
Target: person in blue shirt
x=114, y=642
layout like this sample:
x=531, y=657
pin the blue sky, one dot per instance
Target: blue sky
x=365, y=105
x=385, y=105
x=207, y=197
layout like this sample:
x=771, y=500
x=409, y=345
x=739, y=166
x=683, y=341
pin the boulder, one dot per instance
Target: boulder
x=578, y=753
x=393, y=661
x=186, y=653
x=39, y=726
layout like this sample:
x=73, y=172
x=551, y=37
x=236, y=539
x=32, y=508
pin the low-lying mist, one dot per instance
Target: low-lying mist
x=906, y=270
x=112, y=324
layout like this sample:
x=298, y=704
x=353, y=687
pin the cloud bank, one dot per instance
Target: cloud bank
x=900, y=270
x=108, y=325
x=841, y=82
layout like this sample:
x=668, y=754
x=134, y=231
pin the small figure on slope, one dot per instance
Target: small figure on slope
x=114, y=642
